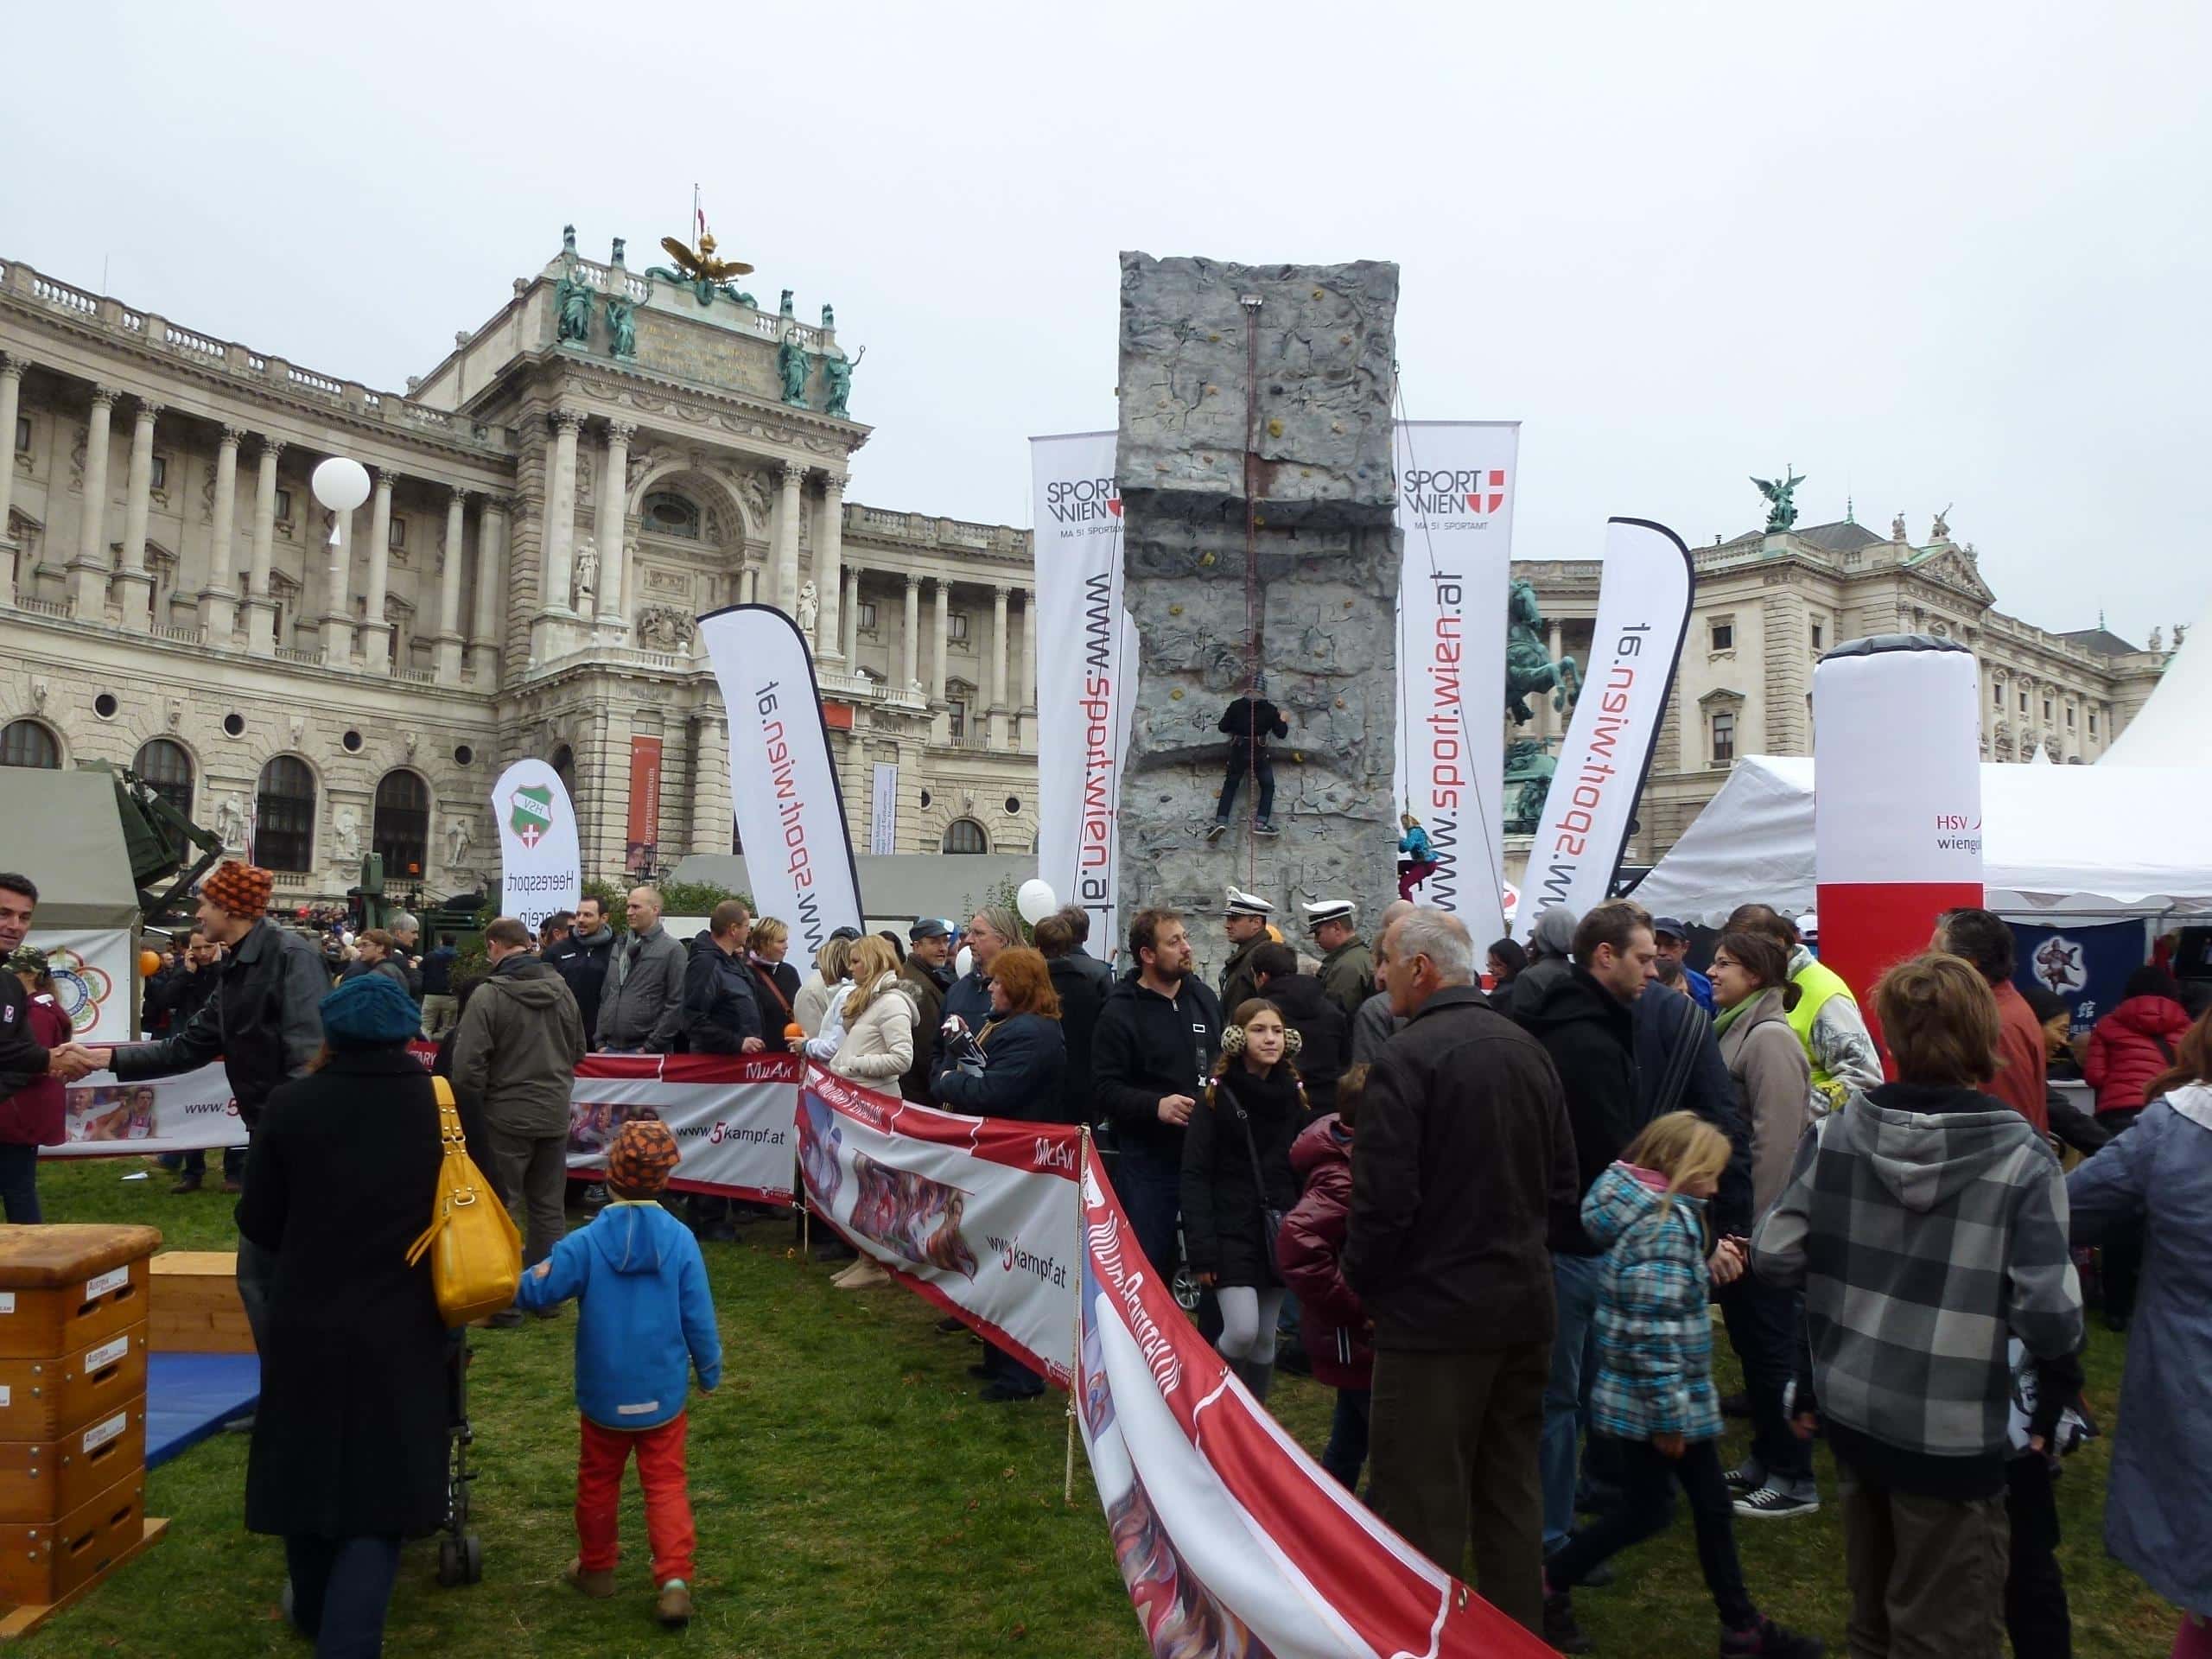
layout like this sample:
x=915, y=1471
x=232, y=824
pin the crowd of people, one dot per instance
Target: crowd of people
x=1490, y=1209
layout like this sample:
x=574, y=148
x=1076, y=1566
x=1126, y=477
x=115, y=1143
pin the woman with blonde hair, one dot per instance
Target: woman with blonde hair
x=877, y=1047
x=1653, y=1394
x=1238, y=1183
x=777, y=984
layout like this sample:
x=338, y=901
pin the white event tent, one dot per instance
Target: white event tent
x=2082, y=841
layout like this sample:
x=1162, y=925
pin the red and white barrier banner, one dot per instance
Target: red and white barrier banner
x=978, y=1215
x=1086, y=682
x=1643, y=611
x=108, y=1119
x=731, y=1117
x=799, y=854
x=1896, y=802
x=1456, y=483
x=1231, y=1540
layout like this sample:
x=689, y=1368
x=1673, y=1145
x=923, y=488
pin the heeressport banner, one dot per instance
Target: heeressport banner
x=977, y=1215
x=540, y=870
x=731, y=1117
x=107, y=1119
x=1086, y=675
x=1643, y=611
x=799, y=854
x=1456, y=483
x=93, y=971
x=1231, y=1539
x=1896, y=804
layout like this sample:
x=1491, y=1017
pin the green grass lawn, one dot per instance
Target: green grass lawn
x=854, y=1498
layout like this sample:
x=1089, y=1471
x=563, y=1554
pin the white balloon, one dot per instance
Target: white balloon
x=964, y=963
x=340, y=484
x=1035, y=901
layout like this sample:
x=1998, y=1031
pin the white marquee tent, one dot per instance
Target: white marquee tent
x=2127, y=840
x=2172, y=725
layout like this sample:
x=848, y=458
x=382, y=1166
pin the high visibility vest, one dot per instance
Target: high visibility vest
x=1817, y=986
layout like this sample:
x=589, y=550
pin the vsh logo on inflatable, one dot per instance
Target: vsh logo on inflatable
x=1464, y=493
x=1082, y=500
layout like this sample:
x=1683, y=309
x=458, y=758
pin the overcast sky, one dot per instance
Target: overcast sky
x=1927, y=254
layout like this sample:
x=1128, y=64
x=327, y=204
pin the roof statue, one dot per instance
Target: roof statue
x=1782, y=508
x=707, y=275
x=1941, y=529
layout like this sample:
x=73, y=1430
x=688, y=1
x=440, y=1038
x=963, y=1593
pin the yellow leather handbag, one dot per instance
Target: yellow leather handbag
x=476, y=1252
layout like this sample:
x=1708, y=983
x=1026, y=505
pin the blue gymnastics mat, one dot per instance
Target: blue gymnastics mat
x=191, y=1397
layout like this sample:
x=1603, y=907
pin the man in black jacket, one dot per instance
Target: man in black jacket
x=721, y=1013
x=264, y=1023
x=1082, y=983
x=1582, y=1018
x=1157, y=1037
x=1307, y=1009
x=1465, y=1170
x=926, y=944
x=1679, y=1069
x=582, y=959
x=1248, y=723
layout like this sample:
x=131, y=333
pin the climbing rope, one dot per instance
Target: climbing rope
x=1252, y=629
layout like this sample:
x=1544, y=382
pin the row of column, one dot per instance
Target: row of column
x=1001, y=711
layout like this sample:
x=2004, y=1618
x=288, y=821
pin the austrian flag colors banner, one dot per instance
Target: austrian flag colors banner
x=791, y=817
x=540, y=870
x=977, y=1214
x=1455, y=489
x=1232, y=1541
x=1086, y=674
x=1643, y=611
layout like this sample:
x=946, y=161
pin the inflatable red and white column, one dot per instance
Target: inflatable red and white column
x=1896, y=808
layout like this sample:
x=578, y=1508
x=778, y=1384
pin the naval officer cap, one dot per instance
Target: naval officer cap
x=1330, y=910
x=1240, y=903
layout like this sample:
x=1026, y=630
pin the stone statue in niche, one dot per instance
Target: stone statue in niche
x=586, y=583
x=459, y=839
x=809, y=608
x=229, y=823
x=757, y=497
x=345, y=837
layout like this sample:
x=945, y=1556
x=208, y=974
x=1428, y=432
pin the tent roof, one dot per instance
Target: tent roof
x=61, y=829
x=2172, y=725
x=2134, y=839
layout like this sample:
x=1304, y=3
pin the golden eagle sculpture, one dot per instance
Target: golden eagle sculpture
x=706, y=274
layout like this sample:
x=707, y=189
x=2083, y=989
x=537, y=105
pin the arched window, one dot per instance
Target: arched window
x=965, y=836
x=167, y=769
x=284, y=835
x=400, y=832
x=667, y=514
x=27, y=743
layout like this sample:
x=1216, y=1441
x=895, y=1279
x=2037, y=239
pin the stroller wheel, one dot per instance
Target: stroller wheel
x=472, y=1559
x=451, y=1565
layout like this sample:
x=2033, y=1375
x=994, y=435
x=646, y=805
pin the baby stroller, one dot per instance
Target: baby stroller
x=461, y=1553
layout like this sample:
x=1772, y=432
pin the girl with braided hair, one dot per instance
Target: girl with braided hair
x=1238, y=1183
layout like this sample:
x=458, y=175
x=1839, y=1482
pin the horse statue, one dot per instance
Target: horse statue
x=1526, y=667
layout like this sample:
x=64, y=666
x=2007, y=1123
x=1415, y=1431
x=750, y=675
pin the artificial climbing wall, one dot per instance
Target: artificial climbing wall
x=1307, y=588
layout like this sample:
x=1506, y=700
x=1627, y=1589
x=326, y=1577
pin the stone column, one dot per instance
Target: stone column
x=940, y=716
x=1552, y=722
x=1029, y=669
x=338, y=603
x=88, y=571
x=449, y=590
x=912, y=661
x=614, y=516
x=219, y=600
x=783, y=592
x=377, y=654
x=1000, y=732
x=491, y=558
x=830, y=571
x=550, y=633
x=851, y=617
x=260, y=608
x=134, y=583
x=711, y=818
x=11, y=388
x=748, y=585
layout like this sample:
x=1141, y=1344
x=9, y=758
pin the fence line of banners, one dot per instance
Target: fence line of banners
x=1232, y=1541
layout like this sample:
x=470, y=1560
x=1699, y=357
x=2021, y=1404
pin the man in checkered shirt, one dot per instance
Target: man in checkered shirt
x=1926, y=1222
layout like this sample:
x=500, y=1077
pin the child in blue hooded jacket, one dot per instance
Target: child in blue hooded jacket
x=1653, y=1394
x=646, y=1322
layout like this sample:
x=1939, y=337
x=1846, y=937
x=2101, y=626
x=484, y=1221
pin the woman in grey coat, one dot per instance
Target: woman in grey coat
x=2159, y=1496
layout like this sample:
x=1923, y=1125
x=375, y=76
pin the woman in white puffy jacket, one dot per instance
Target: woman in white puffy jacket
x=877, y=1049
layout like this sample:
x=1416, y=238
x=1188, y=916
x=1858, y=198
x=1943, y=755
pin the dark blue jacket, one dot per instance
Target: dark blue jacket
x=719, y=1007
x=1665, y=1020
x=1024, y=1056
x=437, y=971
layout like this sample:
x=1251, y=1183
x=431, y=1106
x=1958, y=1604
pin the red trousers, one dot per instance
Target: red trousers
x=668, y=1503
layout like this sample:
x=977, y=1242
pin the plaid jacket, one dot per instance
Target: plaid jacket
x=1654, y=1331
x=1926, y=1226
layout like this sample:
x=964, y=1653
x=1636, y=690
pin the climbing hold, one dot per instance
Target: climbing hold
x=1176, y=695
x=1175, y=610
x=1205, y=561
x=1275, y=428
